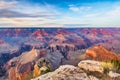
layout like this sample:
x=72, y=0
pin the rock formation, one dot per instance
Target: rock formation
x=92, y=66
x=86, y=70
x=65, y=72
x=22, y=65
x=101, y=54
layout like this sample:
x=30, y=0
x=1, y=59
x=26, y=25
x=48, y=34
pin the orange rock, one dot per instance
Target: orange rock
x=91, y=53
x=101, y=54
x=36, y=71
x=13, y=72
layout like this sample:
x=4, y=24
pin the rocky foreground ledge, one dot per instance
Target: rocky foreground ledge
x=65, y=72
x=86, y=70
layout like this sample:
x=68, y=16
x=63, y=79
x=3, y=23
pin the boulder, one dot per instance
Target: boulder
x=65, y=72
x=90, y=65
x=93, y=78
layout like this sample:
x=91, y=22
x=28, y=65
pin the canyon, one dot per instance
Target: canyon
x=25, y=52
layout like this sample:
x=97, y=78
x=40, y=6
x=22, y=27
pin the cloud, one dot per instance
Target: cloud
x=111, y=13
x=79, y=8
x=25, y=22
x=24, y=14
x=9, y=14
x=114, y=12
x=92, y=15
x=18, y=13
x=5, y=4
x=107, y=18
x=16, y=8
x=76, y=25
x=14, y=14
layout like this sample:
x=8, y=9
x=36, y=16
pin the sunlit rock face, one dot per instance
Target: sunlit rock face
x=86, y=70
x=101, y=54
x=65, y=72
x=89, y=65
x=22, y=65
x=39, y=33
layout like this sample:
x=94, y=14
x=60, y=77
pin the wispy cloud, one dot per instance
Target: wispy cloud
x=5, y=4
x=15, y=14
x=115, y=12
x=15, y=9
x=107, y=18
x=79, y=8
x=27, y=13
x=111, y=13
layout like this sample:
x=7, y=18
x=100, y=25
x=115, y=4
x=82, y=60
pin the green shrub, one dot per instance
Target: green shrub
x=46, y=71
x=116, y=64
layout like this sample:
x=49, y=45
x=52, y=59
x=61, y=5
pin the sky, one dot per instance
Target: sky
x=60, y=13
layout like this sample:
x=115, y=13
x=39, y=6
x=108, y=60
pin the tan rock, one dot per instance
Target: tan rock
x=66, y=72
x=93, y=78
x=113, y=75
x=90, y=65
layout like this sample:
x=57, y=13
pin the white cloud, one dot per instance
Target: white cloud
x=111, y=13
x=114, y=12
x=45, y=14
x=24, y=22
x=50, y=16
x=79, y=8
x=92, y=15
x=37, y=9
x=107, y=18
x=5, y=4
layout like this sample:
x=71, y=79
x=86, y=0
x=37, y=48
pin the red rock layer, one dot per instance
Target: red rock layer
x=100, y=53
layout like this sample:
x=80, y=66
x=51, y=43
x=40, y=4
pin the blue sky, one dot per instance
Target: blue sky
x=60, y=13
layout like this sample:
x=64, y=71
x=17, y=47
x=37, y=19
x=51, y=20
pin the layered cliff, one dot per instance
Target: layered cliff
x=101, y=54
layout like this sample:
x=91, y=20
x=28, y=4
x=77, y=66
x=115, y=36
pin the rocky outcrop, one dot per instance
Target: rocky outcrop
x=13, y=72
x=99, y=53
x=93, y=78
x=65, y=72
x=42, y=66
x=20, y=66
x=95, y=70
x=89, y=71
x=39, y=33
x=92, y=66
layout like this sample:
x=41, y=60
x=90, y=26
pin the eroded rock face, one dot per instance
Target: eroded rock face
x=22, y=65
x=65, y=72
x=93, y=78
x=92, y=66
x=12, y=73
x=42, y=66
x=100, y=53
